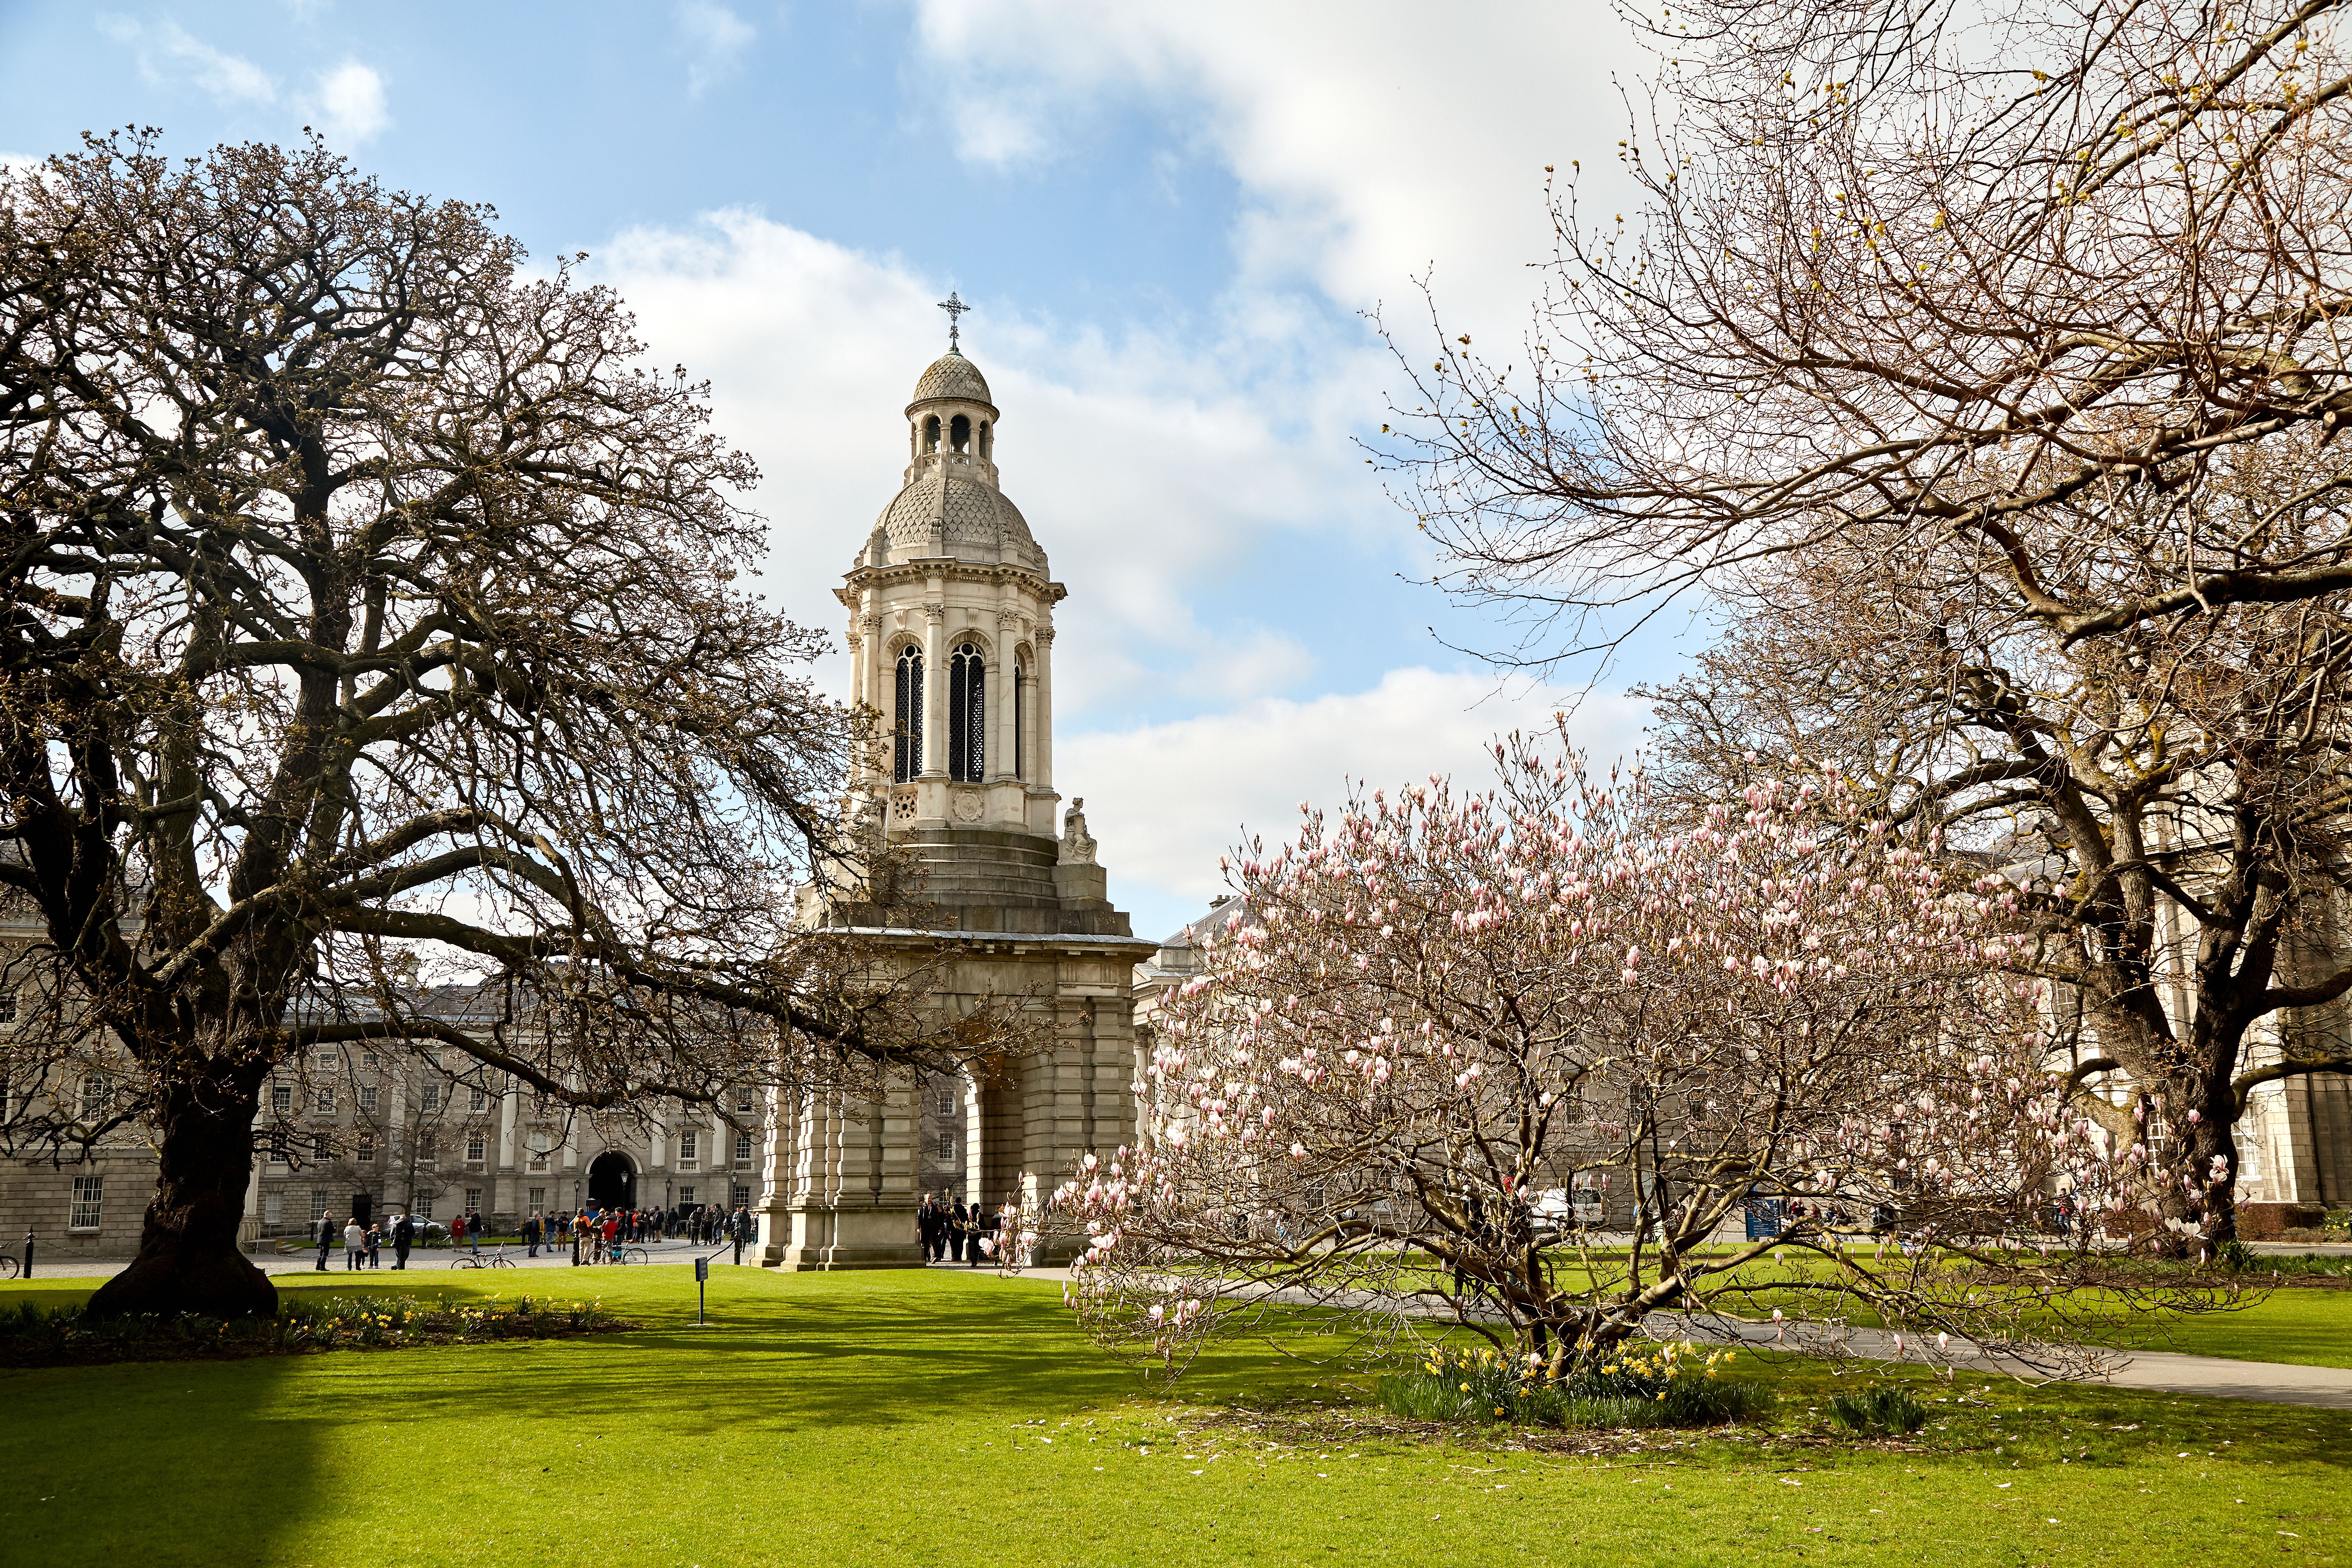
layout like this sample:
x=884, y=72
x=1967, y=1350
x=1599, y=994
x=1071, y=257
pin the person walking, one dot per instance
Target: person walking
x=530, y=1235
x=959, y=1231
x=354, y=1245
x=474, y=1228
x=325, y=1237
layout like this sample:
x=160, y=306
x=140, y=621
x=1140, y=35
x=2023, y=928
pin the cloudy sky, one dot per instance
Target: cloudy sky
x=1173, y=221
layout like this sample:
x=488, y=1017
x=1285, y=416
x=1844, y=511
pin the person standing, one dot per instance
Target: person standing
x=354, y=1245
x=959, y=1231
x=474, y=1229
x=612, y=1231
x=375, y=1246
x=404, y=1237
x=457, y=1233
x=325, y=1237
x=531, y=1236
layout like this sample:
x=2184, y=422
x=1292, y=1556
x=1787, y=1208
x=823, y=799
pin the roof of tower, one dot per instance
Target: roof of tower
x=953, y=376
x=971, y=522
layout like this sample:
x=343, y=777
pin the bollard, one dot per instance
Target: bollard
x=28, y=1255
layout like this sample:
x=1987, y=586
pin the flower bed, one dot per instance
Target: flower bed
x=1672, y=1383
x=306, y=1322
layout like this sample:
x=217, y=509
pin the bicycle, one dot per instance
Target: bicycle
x=497, y=1260
x=629, y=1253
x=8, y=1266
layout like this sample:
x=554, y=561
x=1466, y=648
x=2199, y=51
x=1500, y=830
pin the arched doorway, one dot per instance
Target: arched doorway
x=612, y=1180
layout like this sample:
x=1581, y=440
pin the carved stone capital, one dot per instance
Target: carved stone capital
x=934, y=614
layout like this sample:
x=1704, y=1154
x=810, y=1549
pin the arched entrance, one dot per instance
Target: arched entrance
x=612, y=1180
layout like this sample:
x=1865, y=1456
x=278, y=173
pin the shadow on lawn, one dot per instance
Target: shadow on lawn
x=98, y=1458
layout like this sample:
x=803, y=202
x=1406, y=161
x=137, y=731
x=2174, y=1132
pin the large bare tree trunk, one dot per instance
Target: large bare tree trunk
x=188, y=1260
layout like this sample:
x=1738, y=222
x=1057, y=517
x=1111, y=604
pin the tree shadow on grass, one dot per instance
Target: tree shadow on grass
x=155, y=1461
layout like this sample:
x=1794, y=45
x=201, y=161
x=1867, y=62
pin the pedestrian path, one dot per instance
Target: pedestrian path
x=424, y=1260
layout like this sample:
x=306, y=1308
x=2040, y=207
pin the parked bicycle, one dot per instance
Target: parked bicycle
x=630, y=1253
x=8, y=1266
x=497, y=1260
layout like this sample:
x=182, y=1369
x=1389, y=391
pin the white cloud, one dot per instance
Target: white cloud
x=713, y=39
x=1370, y=138
x=167, y=52
x=1168, y=799
x=350, y=103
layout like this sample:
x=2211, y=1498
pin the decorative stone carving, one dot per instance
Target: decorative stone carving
x=1077, y=843
x=968, y=805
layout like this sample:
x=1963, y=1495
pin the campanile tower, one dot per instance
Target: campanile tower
x=950, y=607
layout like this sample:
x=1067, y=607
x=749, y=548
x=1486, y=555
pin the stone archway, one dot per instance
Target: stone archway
x=612, y=1180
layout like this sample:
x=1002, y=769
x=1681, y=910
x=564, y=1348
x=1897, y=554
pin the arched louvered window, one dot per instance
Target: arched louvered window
x=907, y=729
x=1020, y=719
x=931, y=433
x=987, y=448
x=966, y=715
x=960, y=433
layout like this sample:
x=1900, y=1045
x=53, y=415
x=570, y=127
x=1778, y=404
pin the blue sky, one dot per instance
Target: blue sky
x=1171, y=220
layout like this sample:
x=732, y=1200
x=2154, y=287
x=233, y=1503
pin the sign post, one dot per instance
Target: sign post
x=701, y=1286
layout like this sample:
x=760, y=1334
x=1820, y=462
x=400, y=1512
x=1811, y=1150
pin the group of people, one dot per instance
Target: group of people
x=600, y=1230
x=948, y=1229
x=363, y=1240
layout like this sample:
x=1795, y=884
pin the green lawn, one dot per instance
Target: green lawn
x=948, y=1418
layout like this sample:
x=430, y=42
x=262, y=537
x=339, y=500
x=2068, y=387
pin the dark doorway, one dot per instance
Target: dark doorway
x=364, y=1207
x=612, y=1180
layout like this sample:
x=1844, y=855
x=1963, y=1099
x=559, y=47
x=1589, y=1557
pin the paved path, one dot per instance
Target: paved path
x=422, y=1260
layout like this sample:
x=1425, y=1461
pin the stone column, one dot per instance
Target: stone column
x=508, y=1107
x=859, y=1210
x=935, y=707
x=1043, y=770
x=1001, y=736
x=874, y=682
x=781, y=1175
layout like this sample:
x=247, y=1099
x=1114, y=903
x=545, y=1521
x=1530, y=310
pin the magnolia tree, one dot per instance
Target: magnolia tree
x=1451, y=1025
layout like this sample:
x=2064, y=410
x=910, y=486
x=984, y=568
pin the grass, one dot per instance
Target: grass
x=910, y=1419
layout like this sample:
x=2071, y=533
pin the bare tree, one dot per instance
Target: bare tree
x=372, y=625
x=1454, y=1036
x=1983, y=366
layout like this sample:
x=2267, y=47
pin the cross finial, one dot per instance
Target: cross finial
x=954, y=308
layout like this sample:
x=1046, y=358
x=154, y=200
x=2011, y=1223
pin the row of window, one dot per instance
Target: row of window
x=689, y=1150
x=967, y=717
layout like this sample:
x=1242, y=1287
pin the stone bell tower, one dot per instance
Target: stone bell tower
x=951, y=647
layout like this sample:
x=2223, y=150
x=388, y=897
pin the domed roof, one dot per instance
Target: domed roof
x=953, y=376
x=972, y=520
